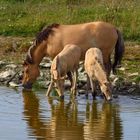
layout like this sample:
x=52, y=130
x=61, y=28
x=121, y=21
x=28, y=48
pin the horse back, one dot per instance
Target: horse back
x=94, y=34
x=94, y=62
x=67, y=60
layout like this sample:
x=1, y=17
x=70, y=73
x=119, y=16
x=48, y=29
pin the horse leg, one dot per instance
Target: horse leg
x=50, y=87
x=91, y=84
x=107, y=66
x=72, y=77
x=88, y=86
x=93, y=88
x=74, y=83
x=69, y=74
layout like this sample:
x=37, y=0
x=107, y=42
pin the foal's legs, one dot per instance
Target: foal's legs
x=72, y=76
x=69, y=74
x=50, y=87
x=59, y=87
x=74, y=82
x=107, y=66
x=91, y=83
x=93, y=88
x=88, y=86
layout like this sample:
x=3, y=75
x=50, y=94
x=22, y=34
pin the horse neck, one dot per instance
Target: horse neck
x=39, y=53
x=100, y=72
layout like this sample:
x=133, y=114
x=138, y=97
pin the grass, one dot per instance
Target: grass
x=27, y=17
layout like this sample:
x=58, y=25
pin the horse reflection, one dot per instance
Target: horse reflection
x=64, y=121
x=102, y=122
x=68, y=120
x=32, y=116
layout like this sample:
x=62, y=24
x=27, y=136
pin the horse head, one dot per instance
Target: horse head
x=107, y=90
x=30, y=70
x=34, y=57
x=30, y=74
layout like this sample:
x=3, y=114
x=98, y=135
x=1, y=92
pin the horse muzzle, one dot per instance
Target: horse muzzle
x=109, y=98
x=27, y=86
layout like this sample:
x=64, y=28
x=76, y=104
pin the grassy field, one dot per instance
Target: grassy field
x=27, y=17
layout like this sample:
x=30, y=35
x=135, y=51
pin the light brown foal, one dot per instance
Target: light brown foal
x=94, y=68
x=66, y=61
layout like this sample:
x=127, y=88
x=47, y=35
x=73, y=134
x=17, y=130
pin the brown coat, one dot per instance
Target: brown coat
x=67, y=60
x=51, y=41
x=94, y=68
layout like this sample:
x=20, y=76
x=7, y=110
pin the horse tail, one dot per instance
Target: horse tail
x=119, y=51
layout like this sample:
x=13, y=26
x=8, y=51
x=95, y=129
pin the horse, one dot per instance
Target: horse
x=95, y=70
x=51, y=40
x=61, y=65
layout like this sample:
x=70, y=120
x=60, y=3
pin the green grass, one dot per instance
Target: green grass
x=26, y=17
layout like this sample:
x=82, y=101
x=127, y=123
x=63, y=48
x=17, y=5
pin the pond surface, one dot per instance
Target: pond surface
x=31, y=116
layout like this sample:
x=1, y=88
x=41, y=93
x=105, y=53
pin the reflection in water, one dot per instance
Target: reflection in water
x=31, y=114
x=64, y=122
x=102, y=123
x=100, y=120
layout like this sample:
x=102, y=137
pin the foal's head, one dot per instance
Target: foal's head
x=106, y=89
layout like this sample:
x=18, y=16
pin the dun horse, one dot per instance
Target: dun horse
x=95, y=70
x=61, y=65
x=51, y=40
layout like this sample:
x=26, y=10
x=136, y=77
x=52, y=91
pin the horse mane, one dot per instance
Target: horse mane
x=40, y=37
x=44, y=34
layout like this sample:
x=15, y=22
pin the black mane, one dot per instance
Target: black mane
x=44, y=34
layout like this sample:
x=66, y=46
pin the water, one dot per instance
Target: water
x=31, y=116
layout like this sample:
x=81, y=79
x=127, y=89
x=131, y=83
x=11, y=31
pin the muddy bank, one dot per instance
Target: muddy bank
x=13, y=51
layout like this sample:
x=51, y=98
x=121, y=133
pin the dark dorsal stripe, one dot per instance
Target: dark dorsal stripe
x=43, y=35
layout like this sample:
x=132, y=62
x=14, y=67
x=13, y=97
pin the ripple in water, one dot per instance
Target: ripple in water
x=31, y=115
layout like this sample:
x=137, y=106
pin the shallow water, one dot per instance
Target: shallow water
x=31, y=115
